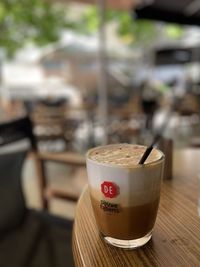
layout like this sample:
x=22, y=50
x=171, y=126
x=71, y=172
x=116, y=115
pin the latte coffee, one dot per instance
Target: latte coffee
x=124, y=195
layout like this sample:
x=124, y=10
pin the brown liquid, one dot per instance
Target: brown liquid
x=126, y=223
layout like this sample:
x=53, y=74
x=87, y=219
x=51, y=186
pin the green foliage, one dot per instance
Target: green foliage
x=41, y=22
x=29, y=20
x=129, y=30
x=90, y=20
x=134, y=32
x=87, y=23
x=174, y=31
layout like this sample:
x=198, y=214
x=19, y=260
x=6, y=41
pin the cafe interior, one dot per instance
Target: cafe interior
x=95, y=92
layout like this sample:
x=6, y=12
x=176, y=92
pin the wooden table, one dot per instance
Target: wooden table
x=176, y=236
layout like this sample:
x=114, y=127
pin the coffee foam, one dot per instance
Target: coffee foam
x=125, y=155
x=137, y=186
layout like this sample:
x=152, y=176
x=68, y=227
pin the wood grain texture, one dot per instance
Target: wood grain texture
x=176, y=236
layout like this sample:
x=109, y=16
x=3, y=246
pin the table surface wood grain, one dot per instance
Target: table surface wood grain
x=176, y=235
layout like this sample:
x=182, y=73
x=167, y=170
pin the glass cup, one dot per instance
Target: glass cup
x=198, y=192
x=125, y=199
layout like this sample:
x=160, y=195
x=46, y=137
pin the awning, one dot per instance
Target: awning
x=174, y=11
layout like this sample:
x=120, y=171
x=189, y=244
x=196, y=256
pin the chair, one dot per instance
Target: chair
x=49, y=125
x=23, y=128
x=51, y=132
x=28, y=238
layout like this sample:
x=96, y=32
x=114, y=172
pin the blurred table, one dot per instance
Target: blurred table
x=176, y=236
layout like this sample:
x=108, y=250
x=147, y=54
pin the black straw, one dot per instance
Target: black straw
x=159, y=133
x=150, y=148
x=146, y=154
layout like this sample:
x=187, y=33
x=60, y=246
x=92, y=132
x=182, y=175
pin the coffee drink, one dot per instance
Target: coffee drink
x=124, y=195
x=122, y=154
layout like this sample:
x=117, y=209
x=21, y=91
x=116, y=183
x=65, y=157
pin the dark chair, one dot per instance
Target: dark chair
x=27, y=237
x=23, y=128
x=13, y=132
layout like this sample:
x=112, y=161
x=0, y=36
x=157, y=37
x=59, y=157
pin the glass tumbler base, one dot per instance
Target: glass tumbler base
x=128, y=244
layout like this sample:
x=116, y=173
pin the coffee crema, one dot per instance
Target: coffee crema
x=128, y=222
x=122, y=155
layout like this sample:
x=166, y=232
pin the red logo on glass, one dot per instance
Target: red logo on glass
x=109, y=189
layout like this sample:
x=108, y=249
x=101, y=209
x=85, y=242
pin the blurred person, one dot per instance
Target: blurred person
x=161, y=114
x=188, y=84
x=150, y=102
x=178, y=85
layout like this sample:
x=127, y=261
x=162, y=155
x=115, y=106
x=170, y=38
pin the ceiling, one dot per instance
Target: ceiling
x=177, y=11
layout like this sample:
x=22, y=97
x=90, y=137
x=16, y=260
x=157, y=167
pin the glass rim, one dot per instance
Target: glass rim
x=162, y=158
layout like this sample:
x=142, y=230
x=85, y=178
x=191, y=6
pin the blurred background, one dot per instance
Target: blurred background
x=90, y=73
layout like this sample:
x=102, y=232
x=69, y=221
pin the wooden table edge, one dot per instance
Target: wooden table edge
x=75, y=244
